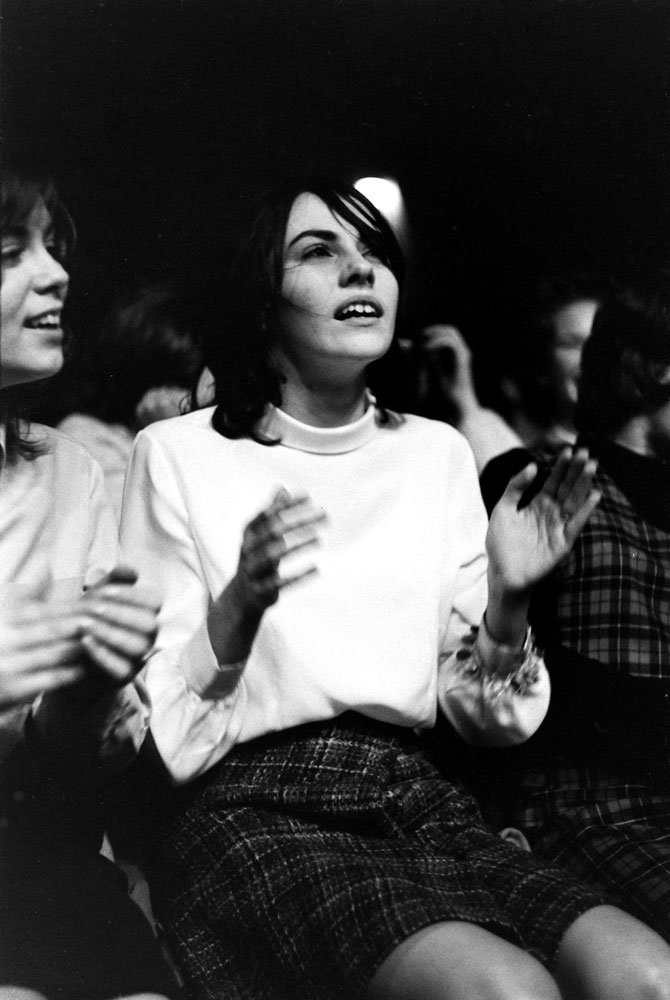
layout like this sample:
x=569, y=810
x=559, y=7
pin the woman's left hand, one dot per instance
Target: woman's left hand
x=526, y=544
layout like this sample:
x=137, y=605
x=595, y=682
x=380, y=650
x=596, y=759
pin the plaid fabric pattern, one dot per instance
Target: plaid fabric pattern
x=616, y=837
x=609, y=823
x=303, y=860
x=614, y=595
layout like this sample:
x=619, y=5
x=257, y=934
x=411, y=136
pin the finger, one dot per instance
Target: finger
x=27, y=687
x=556, y=473
x=290, y=581
x=267, y=559
x=127, y=642
x=115, y=596
x=120, y=574
x=276, y=526
x=576, y=522
x=580, y=489
x=136, y=618
x=559, y=471
x=519, y=483
x=443, y=335
x=572, y=473
x=116, y=667
x=47, y=633
x=51, y=680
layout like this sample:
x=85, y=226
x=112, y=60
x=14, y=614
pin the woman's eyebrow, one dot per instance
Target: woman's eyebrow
x=15, y=232
x=322, y=234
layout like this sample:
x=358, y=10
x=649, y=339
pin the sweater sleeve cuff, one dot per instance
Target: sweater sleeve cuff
x=203, y=674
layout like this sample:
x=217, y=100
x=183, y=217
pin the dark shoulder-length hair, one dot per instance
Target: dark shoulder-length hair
x=626, y=359
x=240, y=355
x=23, y=187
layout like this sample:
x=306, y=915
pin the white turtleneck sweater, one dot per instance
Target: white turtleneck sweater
x=401, y=576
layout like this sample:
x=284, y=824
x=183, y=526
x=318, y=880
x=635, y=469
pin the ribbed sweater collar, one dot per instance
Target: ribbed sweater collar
x=278, y=425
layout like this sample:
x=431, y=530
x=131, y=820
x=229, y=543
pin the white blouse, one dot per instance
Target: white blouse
x=57, y=537
x=401, y=577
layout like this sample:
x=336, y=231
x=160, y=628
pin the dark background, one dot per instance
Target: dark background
x=527, y=135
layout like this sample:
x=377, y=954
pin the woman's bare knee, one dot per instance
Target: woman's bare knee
x=459, y=961
x=608, y=955
x=19, y=993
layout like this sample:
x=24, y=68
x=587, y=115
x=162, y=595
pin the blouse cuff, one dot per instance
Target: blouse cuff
x=203, y=673
x=499, y=667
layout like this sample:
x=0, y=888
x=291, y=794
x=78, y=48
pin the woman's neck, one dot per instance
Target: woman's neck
x=324, y=401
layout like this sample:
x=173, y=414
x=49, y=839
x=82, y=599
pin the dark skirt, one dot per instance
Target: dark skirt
x=302, y=860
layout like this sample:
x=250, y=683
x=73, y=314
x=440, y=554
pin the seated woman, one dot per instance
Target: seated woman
x=73, y=631
x=595, y=781
x=140, y=367
x=323, y=570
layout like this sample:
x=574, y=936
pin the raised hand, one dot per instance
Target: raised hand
x=456, y=380
x=525, y=543
x=284, y=528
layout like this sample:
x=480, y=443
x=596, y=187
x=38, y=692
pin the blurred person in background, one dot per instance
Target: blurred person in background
x=140, y=367
x=593, y=785
x=538, y=379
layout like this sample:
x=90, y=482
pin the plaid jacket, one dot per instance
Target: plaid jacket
x=613, y=593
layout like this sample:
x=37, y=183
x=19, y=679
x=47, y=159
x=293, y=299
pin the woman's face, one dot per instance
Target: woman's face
x=338, y=299
x=32, y=293
x=572, y=328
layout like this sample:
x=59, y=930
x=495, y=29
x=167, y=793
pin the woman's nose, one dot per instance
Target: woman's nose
x=357, y=270
x=49, y=273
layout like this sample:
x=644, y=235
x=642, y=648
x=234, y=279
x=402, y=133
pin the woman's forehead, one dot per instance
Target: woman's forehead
x=309, y=212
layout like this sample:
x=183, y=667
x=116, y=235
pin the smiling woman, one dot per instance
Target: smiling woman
x=73, y=631
x=34, y=288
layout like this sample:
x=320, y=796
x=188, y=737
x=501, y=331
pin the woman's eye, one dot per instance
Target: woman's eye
x=374, y=253
x=318, y=250
x=11, y=252
x=55, y=250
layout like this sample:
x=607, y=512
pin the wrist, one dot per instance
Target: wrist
x=506, y=616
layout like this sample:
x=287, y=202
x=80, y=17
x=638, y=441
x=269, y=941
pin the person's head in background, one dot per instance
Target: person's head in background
x=242, y=351
x=624, y=390
x=142, y=363
x=543, y=380
x=37, y=239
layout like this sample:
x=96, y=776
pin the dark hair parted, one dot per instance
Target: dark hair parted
x=626, y=359
x=240, y=355
x=24, y=185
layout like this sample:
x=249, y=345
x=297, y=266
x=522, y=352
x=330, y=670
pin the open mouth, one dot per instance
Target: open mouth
x=359, y=309
x=46, y=321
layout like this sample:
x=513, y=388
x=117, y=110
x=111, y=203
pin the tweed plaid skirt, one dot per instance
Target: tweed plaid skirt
x=302, y=860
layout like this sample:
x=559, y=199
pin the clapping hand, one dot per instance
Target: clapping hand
x=120, y=620
x=287, y=526
x=525, y=543
x=96, y=640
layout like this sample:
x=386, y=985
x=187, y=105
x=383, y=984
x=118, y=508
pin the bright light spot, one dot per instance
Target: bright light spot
x=385, y=195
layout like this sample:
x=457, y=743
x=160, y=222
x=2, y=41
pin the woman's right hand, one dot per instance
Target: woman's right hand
x=289, y=525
